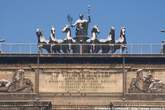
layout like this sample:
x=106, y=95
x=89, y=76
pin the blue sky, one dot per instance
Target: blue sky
x=143, y=18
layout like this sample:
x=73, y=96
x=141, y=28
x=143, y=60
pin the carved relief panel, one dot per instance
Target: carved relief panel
x=18, y=81
x=146, y=81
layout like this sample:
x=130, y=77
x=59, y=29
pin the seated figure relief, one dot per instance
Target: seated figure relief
x=146, y=84
x=18, y=84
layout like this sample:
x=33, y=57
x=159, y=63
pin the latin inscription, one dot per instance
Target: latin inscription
x=81, y=81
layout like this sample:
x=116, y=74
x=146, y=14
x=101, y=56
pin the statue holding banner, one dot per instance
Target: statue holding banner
x=82, y=26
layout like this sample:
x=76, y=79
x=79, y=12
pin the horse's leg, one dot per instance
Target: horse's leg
x=73, y=48
x=58, y=48
x=105, y=48
x=102, y=47
x=84, y=49
x=93, y=48
x=109, y=48
x=70, y=48
x=48, y=48
x=67, y=49
x=54, y=49
x=76, y=48
x=118, y=46
x=124, y=47
x=97, y=48
x=88, y=48
x=113, y=48
x=51, y=48
x=40, y=49
x=64, y=48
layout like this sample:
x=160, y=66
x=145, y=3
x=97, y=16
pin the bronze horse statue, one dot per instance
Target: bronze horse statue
x=42, y=42
x=82, y=44
x=55, y=43
x=94, y=43
x=107, y=45
x=68, y=42
x=121, y=42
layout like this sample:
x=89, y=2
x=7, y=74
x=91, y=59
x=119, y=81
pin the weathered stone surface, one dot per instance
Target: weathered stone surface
x=87, y=84
x=147, y=81
x=81, y=80
x=25, y=105
x=15, y=81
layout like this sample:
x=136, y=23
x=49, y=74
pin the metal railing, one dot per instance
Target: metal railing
x=18, y=48
x=32, y=48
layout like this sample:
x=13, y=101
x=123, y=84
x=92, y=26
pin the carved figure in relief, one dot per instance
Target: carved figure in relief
x=137, y=84
x=18, y=83
x=146, y=84
x=4, y=84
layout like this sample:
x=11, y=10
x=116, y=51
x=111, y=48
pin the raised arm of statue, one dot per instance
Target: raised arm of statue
x=89, y=19
x=73, y=25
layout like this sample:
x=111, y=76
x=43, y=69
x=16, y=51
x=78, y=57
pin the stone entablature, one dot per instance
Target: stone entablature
x=95, y=84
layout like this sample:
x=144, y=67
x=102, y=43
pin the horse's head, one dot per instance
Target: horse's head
x=40, y=36
x=95, y=29
x=112, y=29
x=52, y=38
x=122, y=38
x=38, y=32
x=111, y=36
x=66, y=29
x=123, y=31
x=53, y=30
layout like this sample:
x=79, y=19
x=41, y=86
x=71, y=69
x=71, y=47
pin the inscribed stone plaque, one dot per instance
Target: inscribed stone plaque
x=81, y=80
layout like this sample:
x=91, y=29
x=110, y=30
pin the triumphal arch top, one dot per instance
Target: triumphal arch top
x=82, y=71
